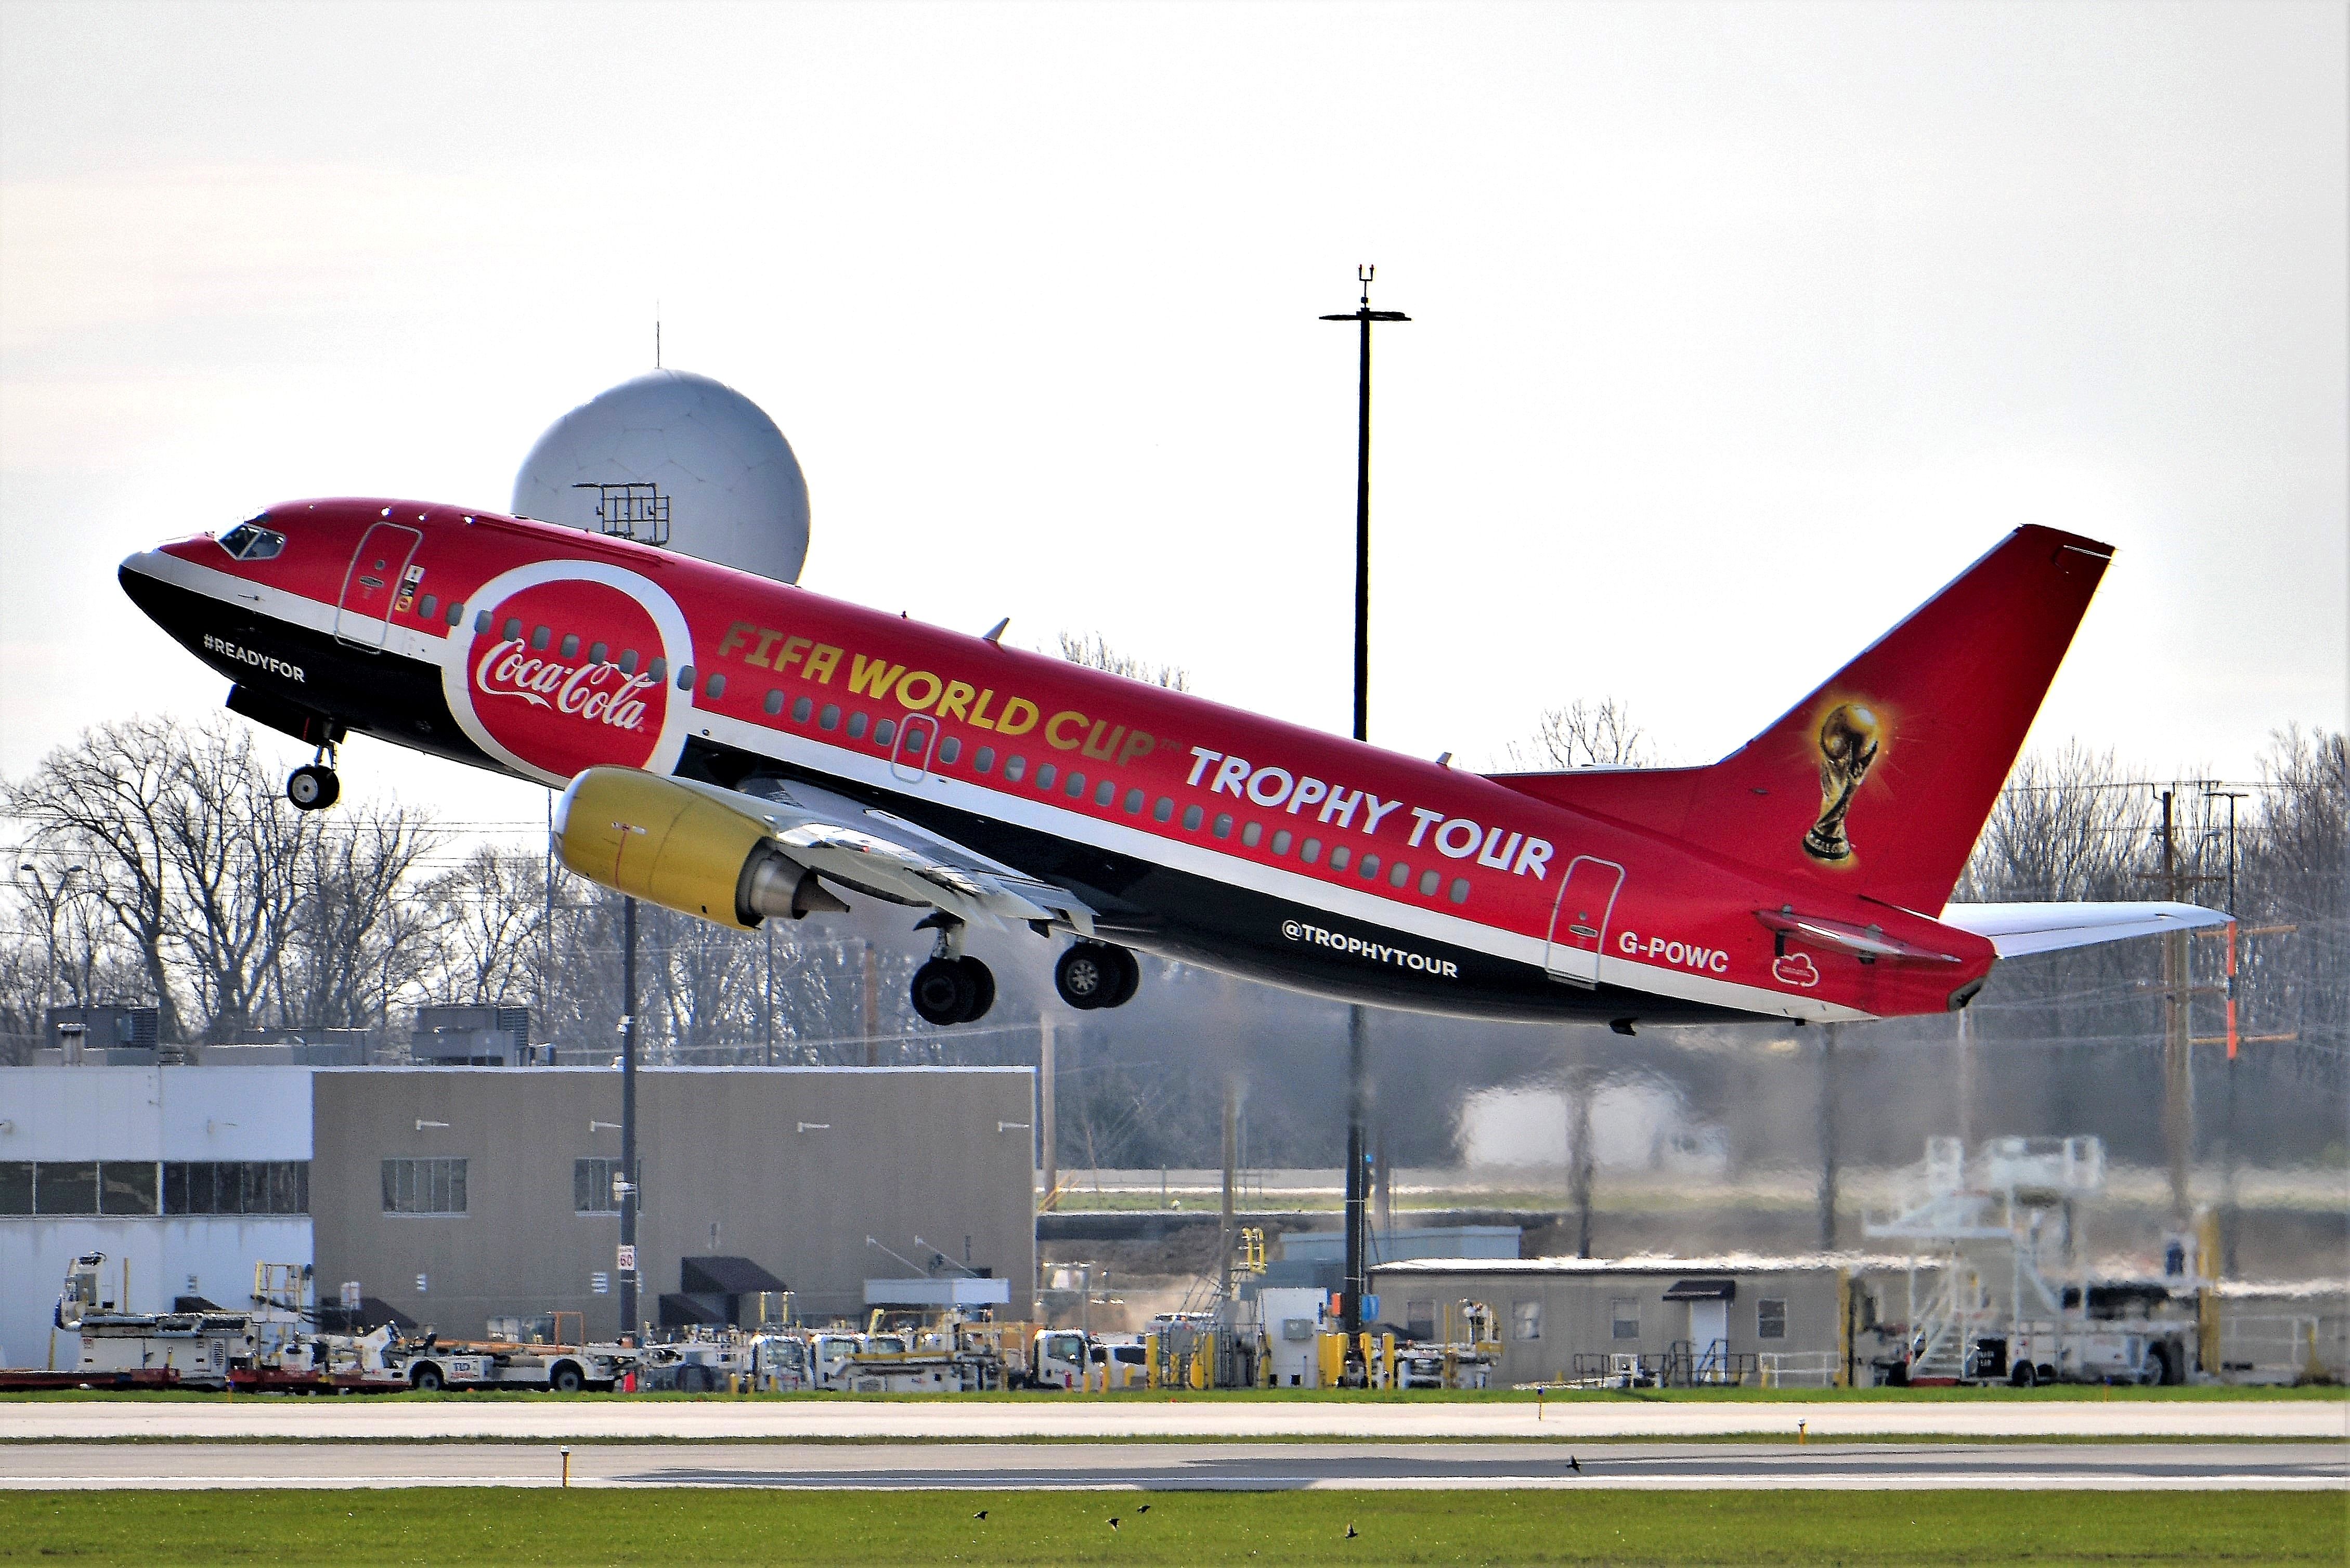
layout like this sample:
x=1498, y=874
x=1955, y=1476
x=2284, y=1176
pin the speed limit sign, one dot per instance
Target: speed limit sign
x=627, y=1260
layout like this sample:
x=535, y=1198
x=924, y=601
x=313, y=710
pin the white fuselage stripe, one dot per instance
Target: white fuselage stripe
x=1023, y=810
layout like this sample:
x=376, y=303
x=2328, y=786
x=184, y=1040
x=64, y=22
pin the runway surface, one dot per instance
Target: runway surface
x=1228, y=1467
x=1589, y=1416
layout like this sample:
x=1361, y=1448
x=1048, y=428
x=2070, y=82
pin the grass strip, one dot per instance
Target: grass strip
x=464, y=1525
x=2058, y=1394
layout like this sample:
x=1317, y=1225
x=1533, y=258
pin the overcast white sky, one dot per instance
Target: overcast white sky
x=1738, y=329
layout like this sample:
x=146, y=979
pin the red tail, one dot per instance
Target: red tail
x=1878, y=782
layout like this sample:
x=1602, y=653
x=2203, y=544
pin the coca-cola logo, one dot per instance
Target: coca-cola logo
x=564, y=665
x=600, y=693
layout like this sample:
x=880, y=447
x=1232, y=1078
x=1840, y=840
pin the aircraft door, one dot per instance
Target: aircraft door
x=1579, y=921
x=363, y=613
x=918, y=742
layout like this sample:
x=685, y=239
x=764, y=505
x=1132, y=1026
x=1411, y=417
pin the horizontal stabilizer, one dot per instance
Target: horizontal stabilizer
x=2019, y=928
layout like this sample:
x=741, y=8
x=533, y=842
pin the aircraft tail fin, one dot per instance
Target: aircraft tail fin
x=1878, y=782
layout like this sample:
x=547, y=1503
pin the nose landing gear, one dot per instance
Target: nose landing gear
x=1096, y=974
x=314, y=786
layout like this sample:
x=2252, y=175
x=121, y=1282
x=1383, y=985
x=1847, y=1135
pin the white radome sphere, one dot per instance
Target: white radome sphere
x=736, y=494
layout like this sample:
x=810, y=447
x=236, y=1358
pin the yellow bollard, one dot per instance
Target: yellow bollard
x=566, y=1467
x=1800, y=1434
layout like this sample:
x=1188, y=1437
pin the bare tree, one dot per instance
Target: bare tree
x=1583, y=735
x=1094, y=652
x=495, y=905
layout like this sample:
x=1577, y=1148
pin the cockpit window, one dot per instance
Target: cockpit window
x=251, y=542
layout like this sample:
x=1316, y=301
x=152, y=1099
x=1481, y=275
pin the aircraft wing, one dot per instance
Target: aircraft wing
x=2015, y=929
x=877, y=852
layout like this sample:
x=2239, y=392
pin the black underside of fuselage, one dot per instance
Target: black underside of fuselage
x=1144, y=905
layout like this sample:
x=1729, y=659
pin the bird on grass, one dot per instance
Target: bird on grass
x=1575, y=1464
x=1144, y=1509
x=1113, y=1523
x=981, y=1514
x=1350, y=1531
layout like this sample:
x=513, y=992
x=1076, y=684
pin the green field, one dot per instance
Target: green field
x=352, y=1529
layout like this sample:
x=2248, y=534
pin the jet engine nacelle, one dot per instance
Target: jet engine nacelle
x=672, y=844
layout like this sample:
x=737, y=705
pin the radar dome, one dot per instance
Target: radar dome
x=723, y=484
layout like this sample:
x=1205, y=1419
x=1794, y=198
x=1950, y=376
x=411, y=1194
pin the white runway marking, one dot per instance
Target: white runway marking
x=1213, y=1467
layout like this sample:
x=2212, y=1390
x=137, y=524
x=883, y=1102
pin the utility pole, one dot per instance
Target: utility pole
x=1358, y=1088
x=2177, y=1078
x=628, y=1257
x=1048, y=1119
x=1828, y=1137
x=1581, y=1162
x=1232, y=1159
x=2228, y=1192
x=872, y=1008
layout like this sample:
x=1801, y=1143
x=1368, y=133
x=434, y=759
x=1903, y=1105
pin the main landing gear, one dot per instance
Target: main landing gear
x=312, y=786
x=953, y=987
x=1096, y=974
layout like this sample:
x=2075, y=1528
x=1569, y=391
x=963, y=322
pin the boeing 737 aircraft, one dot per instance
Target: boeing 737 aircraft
x=741, y=750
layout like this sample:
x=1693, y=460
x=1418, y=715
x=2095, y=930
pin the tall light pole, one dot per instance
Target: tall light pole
x=627, y=1259
x=1358, y=1087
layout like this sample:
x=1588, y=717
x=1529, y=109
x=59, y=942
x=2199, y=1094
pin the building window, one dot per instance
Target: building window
x=236, y=1187
x=1770, y=1318
x=591, y=1186
x=424, y=1186
x=1419, y=1320
x=1624, y=1318
x=64, y=1187
x=1525, y=1320
x=126, y=1187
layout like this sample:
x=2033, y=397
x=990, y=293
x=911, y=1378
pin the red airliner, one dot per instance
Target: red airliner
x=739, y=749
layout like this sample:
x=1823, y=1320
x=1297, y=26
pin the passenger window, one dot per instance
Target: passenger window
x=457, y=615
x=658, y=669
x=1252, y=833
x=509, y=632
x=949, y=750
x=1339, y=855
x=1312, y=852
x=685, y=677
x=983, y=761
x=571, y=645
x=774, y=704
x=715, y=687
x=1430, y=881
x=1280, y=842
x=1134, y=802
x=801, y=709
x=1013, y=768
x=628, y=661
x=1045, y=775
x=1105, y=793
x=830, y=718
x=1192, y=818
x=601, y=654
x=1163, y=811
x=856, y=723
x=1077, y=785
x=1370, y=867
x=1223, y=824
x=1398, y=874
x=540, y=638
x=1460, y=893
x=428, y=607
x=885, y=731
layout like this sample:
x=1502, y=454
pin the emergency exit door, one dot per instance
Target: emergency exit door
x=363, y=613
x=1579, y=921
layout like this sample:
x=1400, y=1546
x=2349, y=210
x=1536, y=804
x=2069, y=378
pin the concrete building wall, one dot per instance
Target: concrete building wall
x=1575, y=1308
x=138, y=1115
x=794, y=1167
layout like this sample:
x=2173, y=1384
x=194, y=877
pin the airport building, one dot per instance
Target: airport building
x=454, y=1195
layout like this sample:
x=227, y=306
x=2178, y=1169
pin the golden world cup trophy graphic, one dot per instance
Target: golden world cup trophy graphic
x=1849, y=738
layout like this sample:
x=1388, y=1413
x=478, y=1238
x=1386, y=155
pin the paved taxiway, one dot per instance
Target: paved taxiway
x=980, y=1420
x=1228, y=1467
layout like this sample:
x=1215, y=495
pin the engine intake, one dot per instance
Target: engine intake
x=682, y=846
